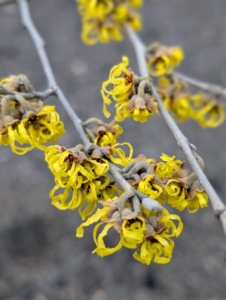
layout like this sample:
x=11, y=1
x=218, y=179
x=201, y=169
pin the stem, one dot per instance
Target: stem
x=40, y=48
x=218, y=206
x=210, y=88
x=119, y=178
x=4, y=106
x=153, y=205
x=136, y=204
x=29, y=96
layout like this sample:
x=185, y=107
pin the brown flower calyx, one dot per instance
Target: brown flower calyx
x=15, y=107
x=189, y=180
x=19, y=83
x=31, y=109
x=155, y=51
x=99, y=127
x=154, y=226
x=213, y=100
x=139, y=166
x=97, y=152
x=114, y=215
x=144, y=98
x=6, y=121
x=174, y=90
x=82, y=155
x=77, y=154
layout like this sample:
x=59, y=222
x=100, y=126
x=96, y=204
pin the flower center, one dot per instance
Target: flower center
x=33, y=120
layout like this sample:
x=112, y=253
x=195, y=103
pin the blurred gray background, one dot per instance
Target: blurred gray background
x=40, y=257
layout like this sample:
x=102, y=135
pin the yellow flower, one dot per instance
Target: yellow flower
x=34, y=131
x=163, y=60
x=108, y=137
x=131, y=235
x=80, y=177
x=123, y=14
x=104, y=20
x=159, y=247
x=139, y=114
x=94, y=31
x=148, y=187
x=170, y=166
x=94, y=8
x=133, y=94
x=122, y=80
x=100, y=189
x=178, y=197
x=151, y=234
x=209, y=112
x=132, y=232
x=182, y=109
x=119, y=157
x=136, y=3
x=176, y=98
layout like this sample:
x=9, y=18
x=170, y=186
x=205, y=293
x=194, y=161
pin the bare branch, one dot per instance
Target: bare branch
x=218, y=206
x=40, y=48
x=28, y=96
x=210, y=88
x=152, y=204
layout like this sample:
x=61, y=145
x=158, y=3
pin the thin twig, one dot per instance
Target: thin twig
x=218, y=206
x=119, y=179
x=40, y=95
x=210, y=88
x=151, y=203
x=40, y=48
x=207, y=87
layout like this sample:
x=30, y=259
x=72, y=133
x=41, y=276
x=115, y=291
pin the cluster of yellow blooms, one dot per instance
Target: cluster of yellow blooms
x=103, y=20
x=203, y=108
x=80, y=175
x=83, y=177
x=25, y=125
x=134, y=98
x=167, y=181
x=162, y=60
x=148, y=231
x=133, y=94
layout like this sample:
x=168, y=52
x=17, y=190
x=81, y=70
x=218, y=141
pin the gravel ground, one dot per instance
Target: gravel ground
x=40, y=258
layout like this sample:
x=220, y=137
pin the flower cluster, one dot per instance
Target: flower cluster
x=138, y=217
x=167, y=181
x=102, y=134
x=103, y=20
x=204, y=109
x=209, y=112
x=25, y=125
x=148, y=232
x=133, y=94
x=81, y=177
x=162, y=60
